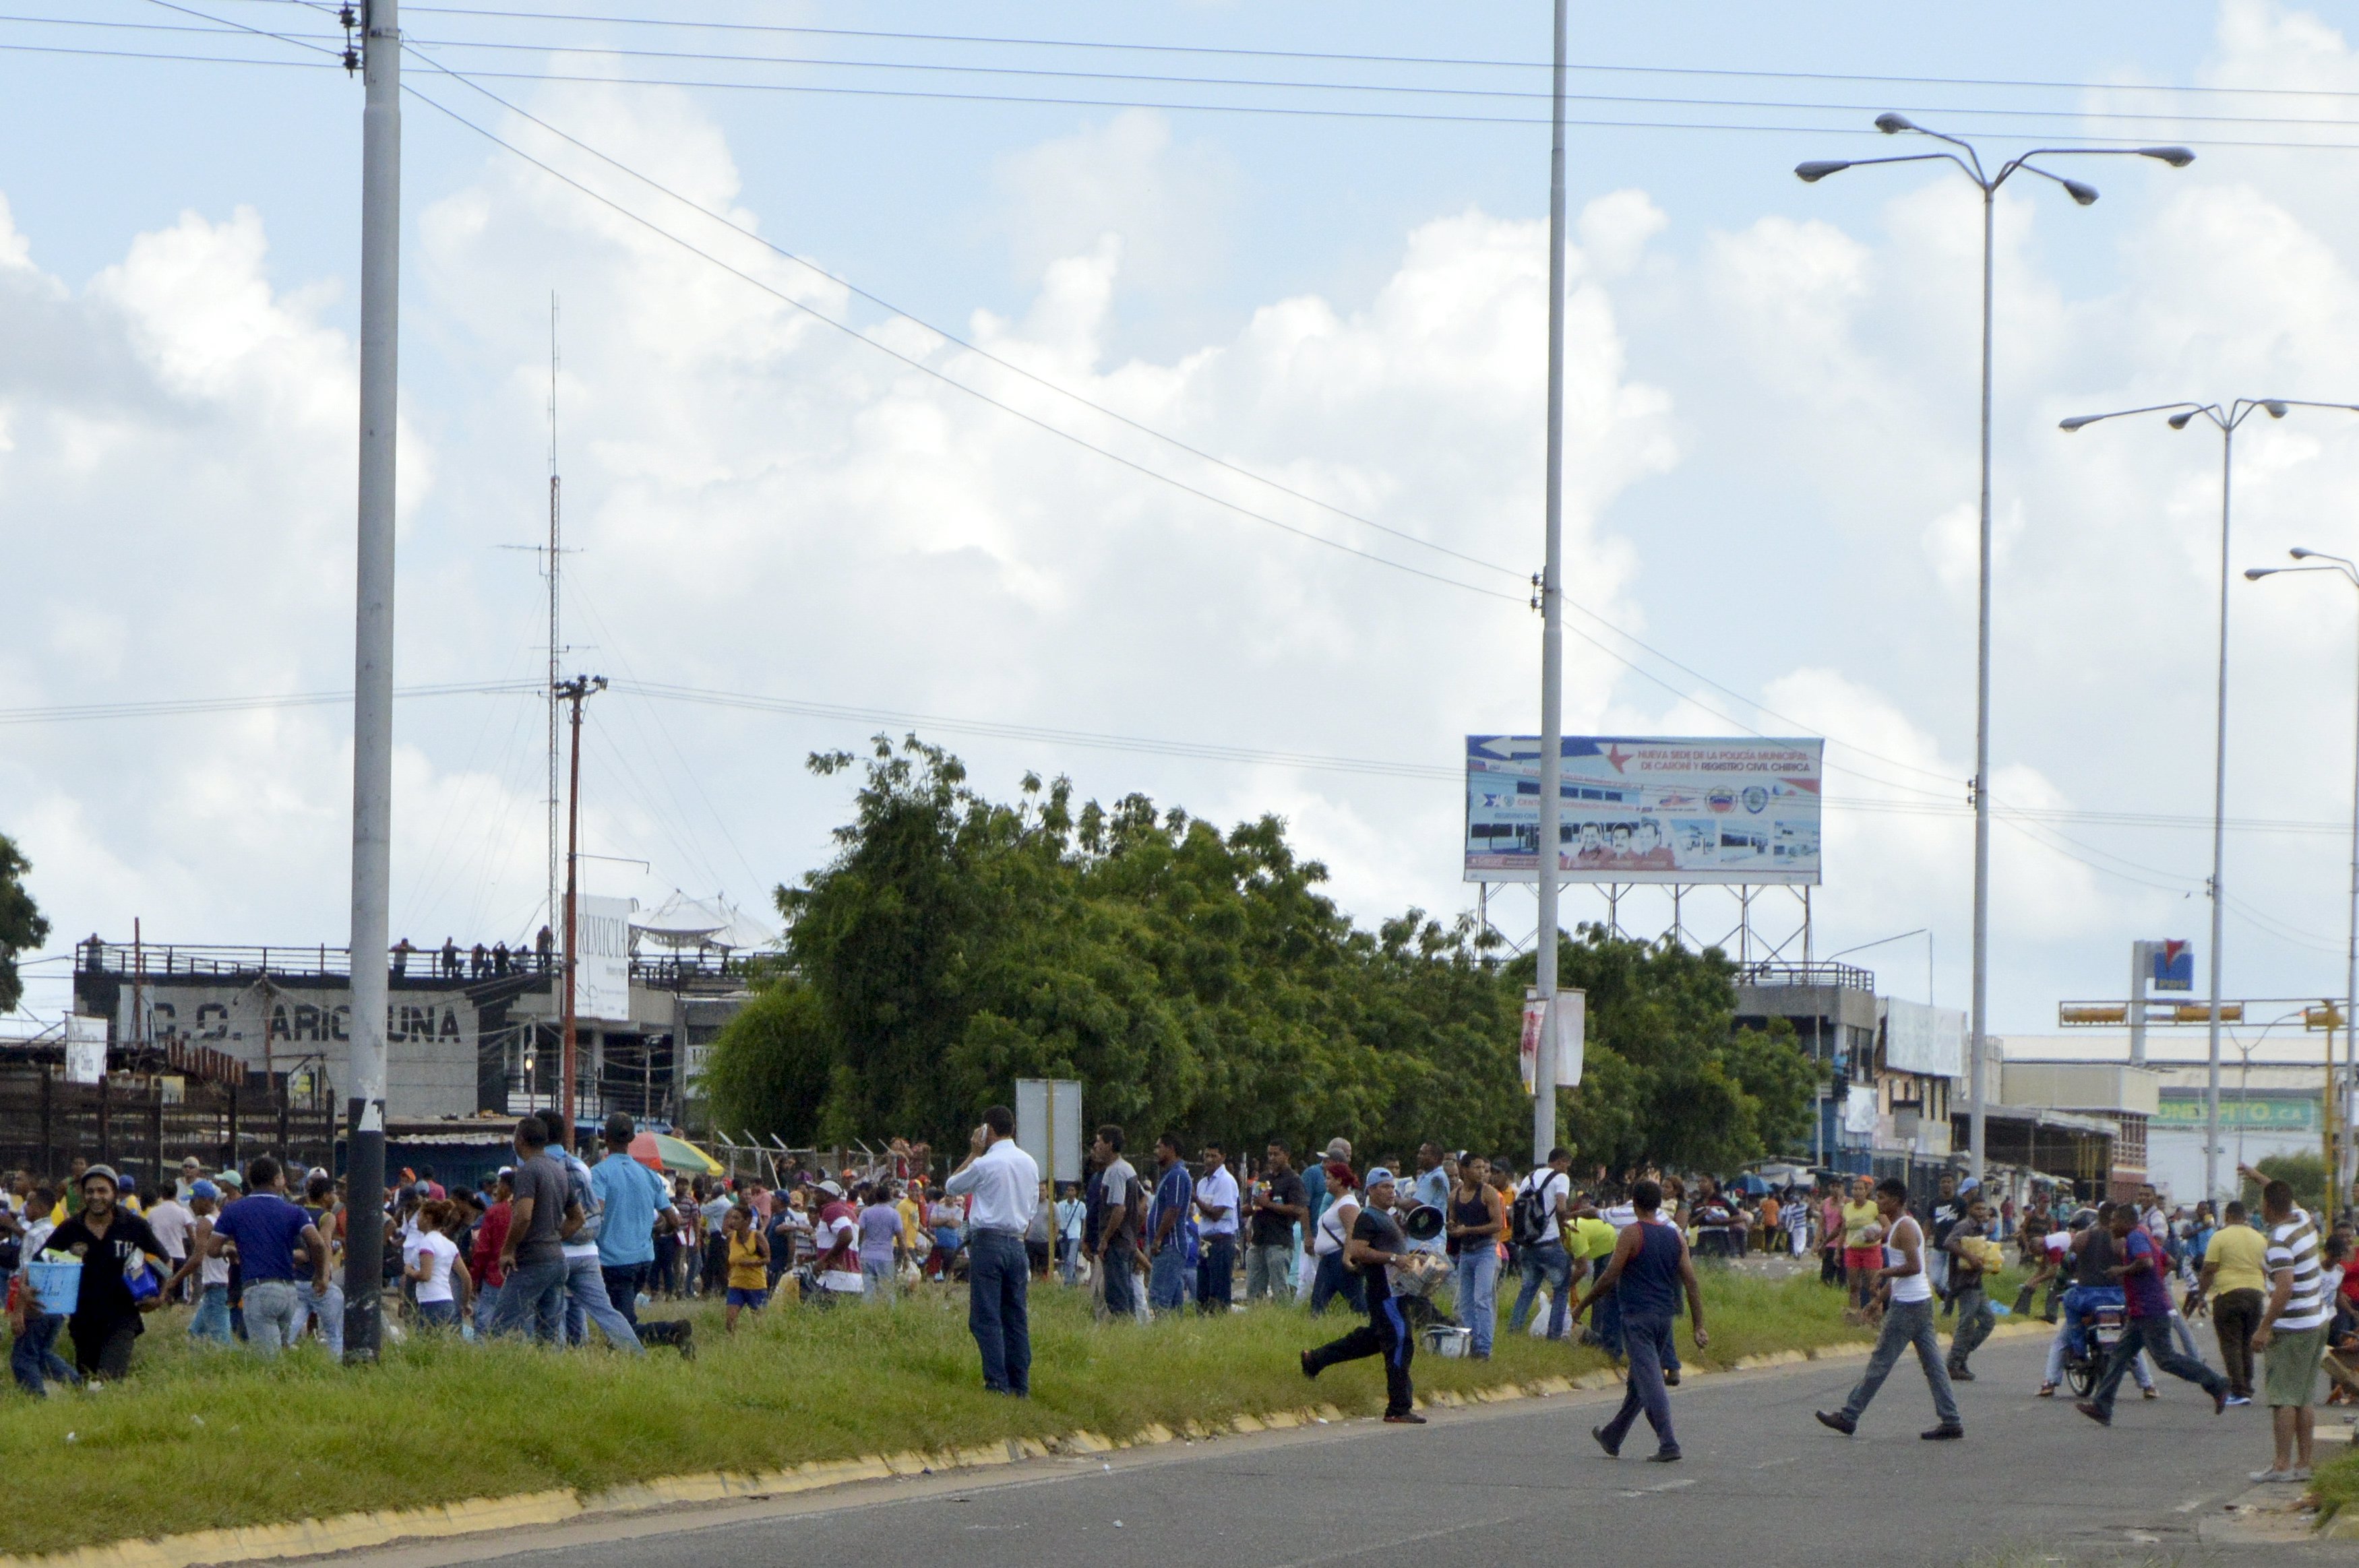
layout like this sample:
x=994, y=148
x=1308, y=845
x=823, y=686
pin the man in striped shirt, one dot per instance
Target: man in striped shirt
x=2292, y=1331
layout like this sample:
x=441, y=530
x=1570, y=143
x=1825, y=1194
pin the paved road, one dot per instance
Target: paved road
x=1523, y=1483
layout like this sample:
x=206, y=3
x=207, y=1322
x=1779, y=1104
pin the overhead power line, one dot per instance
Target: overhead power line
x=164, y=708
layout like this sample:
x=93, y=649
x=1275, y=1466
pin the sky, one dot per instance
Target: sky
x=1116, y=413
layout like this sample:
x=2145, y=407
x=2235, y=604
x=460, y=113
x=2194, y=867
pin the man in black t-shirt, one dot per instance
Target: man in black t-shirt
x=1376, y=1241
x=110, y=1241
x=1278, y=1203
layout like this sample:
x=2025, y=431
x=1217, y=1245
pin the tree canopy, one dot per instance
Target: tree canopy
x=1198, y=982
x=22, y=925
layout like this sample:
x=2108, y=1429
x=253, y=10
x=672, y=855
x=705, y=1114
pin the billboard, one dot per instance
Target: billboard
x=1639, y=809
x=2174, y=966
x=601, y=963
x=1930, y=1041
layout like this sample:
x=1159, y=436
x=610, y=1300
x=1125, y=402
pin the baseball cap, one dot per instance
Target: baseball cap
x=832, y=1189
x=192, y=1163
x=1378, y=1175
x=230, y=1178
x=204, y=1188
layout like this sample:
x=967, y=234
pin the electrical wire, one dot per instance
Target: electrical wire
x=1586, y=68
x=159, y=708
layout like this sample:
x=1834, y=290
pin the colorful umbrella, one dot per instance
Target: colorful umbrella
x=662, y=1151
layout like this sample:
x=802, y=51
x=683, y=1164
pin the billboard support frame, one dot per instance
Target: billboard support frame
x=1747, y=942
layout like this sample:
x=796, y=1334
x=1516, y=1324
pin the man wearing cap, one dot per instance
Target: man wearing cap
x=836, y=1241
x=193, y=1170
x=268, y=1230
x=111, y=1243
x=634, y=1199
x=1374, y=1242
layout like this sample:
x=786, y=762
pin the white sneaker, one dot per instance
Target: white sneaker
x=2299, y=1473
x=2265, y=1477
x=2238, y=1399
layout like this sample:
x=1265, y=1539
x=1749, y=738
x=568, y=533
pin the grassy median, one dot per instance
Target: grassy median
x=200, y=1437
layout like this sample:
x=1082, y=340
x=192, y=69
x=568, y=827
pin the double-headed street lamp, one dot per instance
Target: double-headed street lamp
x=1968, y=159
x=2225, y=420
x=2343, y=1170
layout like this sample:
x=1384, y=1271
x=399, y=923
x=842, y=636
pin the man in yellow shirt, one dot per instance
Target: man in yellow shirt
x=2235, y=1276
x=1862, y=1241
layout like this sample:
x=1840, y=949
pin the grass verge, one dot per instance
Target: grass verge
x=2337, y=1482
x=199, y=1438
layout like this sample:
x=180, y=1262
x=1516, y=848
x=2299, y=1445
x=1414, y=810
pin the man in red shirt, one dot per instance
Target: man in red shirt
x=484, y=1260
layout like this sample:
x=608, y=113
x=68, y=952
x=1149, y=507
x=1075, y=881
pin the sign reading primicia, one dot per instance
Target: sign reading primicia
x=1636, y=809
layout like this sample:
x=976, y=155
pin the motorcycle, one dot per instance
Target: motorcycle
x=2084, y=1367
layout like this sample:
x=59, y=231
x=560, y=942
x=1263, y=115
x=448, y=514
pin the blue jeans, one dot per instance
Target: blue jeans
x=34, y=1356
x=329, y=1309
x=270, y=1315
x=487, y=1302
x=1547, y=1261
x=1333, y=1279
x=1478, y=1293
x=586, y=1302
x=1120, y=1299
x=1216, y=1270
x=2080, y=1299
x=1648, y=1337
x=533, y=1302
x=438, y=1314
x=1167, y=1279
x=1906, y=1325
x=211, y=1320
x=998, y=1272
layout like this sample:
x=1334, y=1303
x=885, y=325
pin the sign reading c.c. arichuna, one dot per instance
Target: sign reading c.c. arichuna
x=2255, y=1112
x=1648, y=809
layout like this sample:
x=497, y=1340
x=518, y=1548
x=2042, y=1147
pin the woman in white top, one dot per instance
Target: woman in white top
x=1334, y=1227
x=430, y=1260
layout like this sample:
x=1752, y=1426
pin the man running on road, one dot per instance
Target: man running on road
x=1906, y=1293
x=2145, y=1291
x=1649, y=1268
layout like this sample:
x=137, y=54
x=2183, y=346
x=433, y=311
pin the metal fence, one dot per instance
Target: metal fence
x=148, y=1123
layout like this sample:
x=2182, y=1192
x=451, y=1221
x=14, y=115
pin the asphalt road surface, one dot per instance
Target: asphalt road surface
x=1763, y=1485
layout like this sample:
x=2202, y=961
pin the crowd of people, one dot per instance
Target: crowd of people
x=555, y=1246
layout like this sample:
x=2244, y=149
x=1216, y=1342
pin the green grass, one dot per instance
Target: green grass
x=199, y=1437
x=2337, y=1482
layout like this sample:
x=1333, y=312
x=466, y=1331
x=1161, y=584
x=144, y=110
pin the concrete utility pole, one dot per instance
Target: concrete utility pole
x=373, y=674
x=1551, y=634
x=576, y=691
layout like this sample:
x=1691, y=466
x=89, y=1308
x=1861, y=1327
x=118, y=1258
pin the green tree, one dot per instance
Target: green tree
x=1198, y=982
x=22, y=925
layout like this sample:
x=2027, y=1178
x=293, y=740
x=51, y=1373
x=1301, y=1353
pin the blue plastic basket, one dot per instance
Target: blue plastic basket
x=56, y=1284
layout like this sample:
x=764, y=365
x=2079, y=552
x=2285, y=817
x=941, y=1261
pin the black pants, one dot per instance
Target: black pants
x=1386, y=1333
x=102, y=1349
x=716, y=1265
x=2234, y=1316
x=623, y=1280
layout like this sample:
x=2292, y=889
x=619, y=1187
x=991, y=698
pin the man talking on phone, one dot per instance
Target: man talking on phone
x=1003, y=1185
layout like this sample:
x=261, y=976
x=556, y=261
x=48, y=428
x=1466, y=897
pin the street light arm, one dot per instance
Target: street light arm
x=2085, y=195
x=2080, y=421
x=1810, y=173
x=2346, y=571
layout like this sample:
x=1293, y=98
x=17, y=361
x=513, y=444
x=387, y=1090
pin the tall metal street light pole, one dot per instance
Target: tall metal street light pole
x=373, y=676
x=1551, y=596
x=1970, y=160
x=575, y=692
x=2225, y=420
x=2343, y=1171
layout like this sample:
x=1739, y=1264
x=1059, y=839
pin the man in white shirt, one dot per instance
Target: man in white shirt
x=1216, y=1232
x=172, y=1220
x=1002, y=1186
